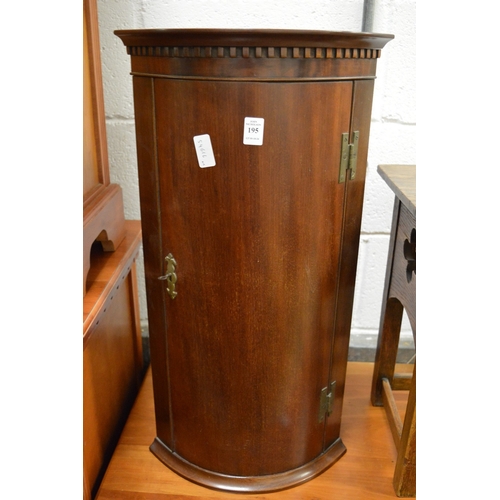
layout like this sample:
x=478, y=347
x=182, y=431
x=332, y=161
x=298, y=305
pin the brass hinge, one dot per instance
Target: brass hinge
x=348, y=156
x=326, y=402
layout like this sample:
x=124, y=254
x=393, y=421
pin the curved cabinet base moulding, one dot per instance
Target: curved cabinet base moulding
x=248, y=484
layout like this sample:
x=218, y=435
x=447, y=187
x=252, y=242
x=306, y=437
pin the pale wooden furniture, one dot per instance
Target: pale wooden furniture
x=112, y=351
x=399, y=294
x=112, y=348
x=103, y=216
x=364, y=473
x=251, y=261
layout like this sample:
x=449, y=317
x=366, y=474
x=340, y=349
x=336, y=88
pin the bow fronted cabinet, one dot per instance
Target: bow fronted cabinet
x=252, y=148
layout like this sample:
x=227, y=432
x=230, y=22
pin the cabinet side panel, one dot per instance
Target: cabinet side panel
x=144, y=104
x=110, y=382
x=360, y=121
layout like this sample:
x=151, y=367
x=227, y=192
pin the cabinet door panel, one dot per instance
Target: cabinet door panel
x=257, y=242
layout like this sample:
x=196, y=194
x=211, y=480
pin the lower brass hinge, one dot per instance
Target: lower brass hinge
x=348, y=156
x=326, y=402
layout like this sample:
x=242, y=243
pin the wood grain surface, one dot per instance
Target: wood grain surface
x=365, y=472
x=249, y=354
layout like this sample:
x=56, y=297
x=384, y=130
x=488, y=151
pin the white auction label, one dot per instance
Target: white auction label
x=204, y=151
x=253, y=131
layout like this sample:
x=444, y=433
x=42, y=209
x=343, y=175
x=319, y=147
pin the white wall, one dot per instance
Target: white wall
x=393, y=118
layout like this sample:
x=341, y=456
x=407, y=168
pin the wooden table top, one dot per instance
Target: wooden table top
x=402, y=180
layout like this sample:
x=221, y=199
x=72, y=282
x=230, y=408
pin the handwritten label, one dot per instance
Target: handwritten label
x=204, y=151
x=253, y=131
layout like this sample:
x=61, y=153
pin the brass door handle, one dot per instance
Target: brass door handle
x=170, y=276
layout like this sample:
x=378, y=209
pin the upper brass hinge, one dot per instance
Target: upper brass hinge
x=348, y=156
x=326, y=402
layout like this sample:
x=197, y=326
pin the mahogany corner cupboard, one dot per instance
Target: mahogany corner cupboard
x=252, y=149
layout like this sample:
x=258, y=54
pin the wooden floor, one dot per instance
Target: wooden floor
x=363, y=473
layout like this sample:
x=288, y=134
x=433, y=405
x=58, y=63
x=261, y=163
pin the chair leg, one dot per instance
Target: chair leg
x=387, y=348
x=406, y=464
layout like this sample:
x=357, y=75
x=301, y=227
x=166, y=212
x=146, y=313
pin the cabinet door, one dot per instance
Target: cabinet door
x=257, y=240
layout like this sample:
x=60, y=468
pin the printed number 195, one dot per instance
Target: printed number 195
x=253, y=132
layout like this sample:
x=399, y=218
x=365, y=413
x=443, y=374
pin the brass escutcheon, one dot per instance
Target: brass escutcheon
x=170, y=276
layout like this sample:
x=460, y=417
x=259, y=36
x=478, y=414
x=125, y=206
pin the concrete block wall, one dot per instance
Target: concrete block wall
x=393, y=129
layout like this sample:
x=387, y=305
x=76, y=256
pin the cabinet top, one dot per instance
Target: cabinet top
x=252, y=38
